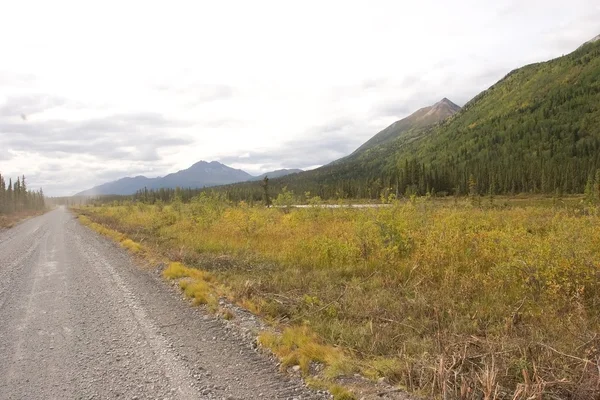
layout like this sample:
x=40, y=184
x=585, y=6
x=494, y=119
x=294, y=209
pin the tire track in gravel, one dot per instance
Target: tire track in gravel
x=17, y=245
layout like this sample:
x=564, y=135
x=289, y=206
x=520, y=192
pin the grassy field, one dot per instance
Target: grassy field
x=451, y=299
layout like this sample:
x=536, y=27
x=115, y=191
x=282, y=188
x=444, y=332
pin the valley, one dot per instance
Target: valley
x=389, y=244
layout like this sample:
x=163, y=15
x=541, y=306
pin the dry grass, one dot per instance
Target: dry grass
x=300, y=346
x=8, y=221
x=450, y=300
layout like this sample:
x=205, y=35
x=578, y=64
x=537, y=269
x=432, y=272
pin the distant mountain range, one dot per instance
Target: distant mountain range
x=202, y=174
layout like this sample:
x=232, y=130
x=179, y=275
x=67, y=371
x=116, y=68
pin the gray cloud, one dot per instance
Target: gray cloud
x=5, y=155
x=114, y=174
x=124, y=136
x=320, y=145
x=31, y=104
x=208, y=93
x=568, y=38
x=132, y=141
x=150, y=170
x=410, y=81
x=332, y=127
x=52, y=167
x=8, y=78
x=402, y=107
x=394, y=108
x=74, y=176
x=222, y=123
x=374, y=83
x=338, y=137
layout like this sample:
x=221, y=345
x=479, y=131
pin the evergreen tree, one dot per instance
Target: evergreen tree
x=16, y=197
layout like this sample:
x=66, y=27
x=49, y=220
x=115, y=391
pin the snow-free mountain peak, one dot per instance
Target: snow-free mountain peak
x=421, y=118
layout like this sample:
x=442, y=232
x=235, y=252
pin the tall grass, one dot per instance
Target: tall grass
x=448, y=300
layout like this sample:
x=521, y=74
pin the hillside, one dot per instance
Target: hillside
x=202, y=174
x=536, y=130
x=359, y=175
x=346, y=177
x=120, y=186
x=276, y=174
x=423, y=117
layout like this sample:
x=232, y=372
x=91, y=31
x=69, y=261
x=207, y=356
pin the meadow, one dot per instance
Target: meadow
x=466, y=299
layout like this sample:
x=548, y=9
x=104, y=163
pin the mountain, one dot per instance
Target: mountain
x=421, y=118
x=537, y=130
x=122, y=186
x=201, y=174
x=370, y=160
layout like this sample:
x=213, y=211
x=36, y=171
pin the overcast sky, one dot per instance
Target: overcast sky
x=94, y=91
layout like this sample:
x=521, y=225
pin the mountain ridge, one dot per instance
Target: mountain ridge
x=200, y=174
x=423, y=117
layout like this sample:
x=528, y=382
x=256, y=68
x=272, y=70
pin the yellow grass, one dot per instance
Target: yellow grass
x=196, y=284
x=300, y=346
x=444, y=299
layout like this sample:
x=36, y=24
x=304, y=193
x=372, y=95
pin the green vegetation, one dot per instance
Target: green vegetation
x=460, y=298
x=17, y=202
x=537, y=130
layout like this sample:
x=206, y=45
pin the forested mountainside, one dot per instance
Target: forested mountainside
x=536, y=130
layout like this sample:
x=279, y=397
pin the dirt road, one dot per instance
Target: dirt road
x=79, y=321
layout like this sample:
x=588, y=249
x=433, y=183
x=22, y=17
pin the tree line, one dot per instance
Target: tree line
x=15, y=197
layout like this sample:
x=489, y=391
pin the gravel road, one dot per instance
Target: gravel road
x=78, y=320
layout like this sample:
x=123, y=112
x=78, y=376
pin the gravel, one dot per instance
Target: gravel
x=79, y=320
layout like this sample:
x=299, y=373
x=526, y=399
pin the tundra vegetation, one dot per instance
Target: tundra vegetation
x=466, y=298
